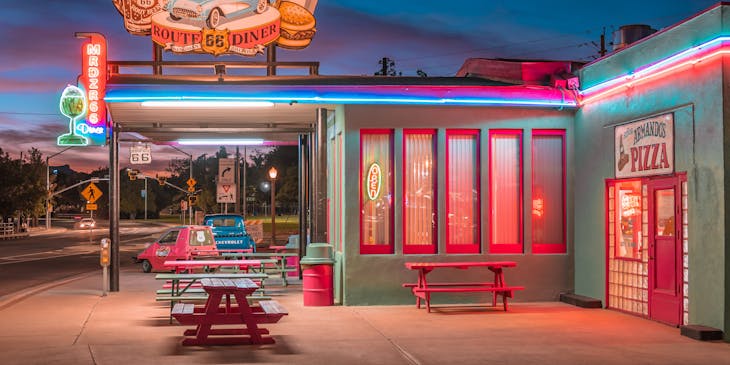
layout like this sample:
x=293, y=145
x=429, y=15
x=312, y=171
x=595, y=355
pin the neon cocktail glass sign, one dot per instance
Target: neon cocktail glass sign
x=88, y=127
x=72, y=105
x=374, y=181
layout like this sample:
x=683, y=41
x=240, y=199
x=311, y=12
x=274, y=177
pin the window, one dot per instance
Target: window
x=462, y=191
x=169, y=238
x=376, y=191
x=201, y=237
x=628, y=217
x=419, y=191
x=548, y=191
x=505, y=195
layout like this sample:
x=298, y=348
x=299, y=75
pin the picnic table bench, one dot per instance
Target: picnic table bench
x=219, y=310
x=278, y=259
x=422, y=289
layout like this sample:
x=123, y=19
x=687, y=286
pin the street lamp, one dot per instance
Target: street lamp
x=272, y=176
x=48, y=186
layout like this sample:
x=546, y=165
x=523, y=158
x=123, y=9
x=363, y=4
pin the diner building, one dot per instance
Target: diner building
x=604, y=180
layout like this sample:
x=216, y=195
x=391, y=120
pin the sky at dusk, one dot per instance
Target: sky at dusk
x=41, y=55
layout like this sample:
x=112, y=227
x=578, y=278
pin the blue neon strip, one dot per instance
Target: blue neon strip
x=646, y=70
x=344, y=95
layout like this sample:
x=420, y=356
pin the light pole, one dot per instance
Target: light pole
x=272, y=176
x=191, y=176
x=48, y=186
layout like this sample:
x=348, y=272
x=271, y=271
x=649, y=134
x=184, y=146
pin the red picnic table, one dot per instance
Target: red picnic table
x=188, y=265
x=422, y=289
x=229, y=314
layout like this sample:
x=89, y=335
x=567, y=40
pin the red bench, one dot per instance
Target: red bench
x=422, y=289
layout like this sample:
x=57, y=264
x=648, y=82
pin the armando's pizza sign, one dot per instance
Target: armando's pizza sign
x=645, y=147
x=217, y=27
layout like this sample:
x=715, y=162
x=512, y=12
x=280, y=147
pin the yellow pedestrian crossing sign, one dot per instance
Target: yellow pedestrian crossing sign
x=191, y=182
x=91, y=193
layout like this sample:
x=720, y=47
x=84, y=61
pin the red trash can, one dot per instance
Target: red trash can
x=317, y=285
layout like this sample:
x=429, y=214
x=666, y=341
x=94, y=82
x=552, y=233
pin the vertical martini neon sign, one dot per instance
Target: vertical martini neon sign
x=88, y=124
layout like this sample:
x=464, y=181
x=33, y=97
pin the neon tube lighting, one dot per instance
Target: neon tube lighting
x=207, y=104
x=691, y=56
x=221, y=142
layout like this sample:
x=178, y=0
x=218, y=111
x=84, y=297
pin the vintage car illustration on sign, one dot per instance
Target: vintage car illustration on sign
x=215, y=12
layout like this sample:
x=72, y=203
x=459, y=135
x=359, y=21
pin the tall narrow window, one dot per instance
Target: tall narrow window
x=505, y=195
x=548, y=191
x=419, y=191
x=376, y=191
x=462, y=191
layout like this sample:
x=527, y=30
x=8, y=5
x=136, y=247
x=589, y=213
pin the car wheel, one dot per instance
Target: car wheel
x=146, y=266
x=214, y=18
x=262, y=6
x=174, y=17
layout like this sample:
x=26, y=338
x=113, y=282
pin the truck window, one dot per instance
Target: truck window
x=200, y=237
x=169, y=238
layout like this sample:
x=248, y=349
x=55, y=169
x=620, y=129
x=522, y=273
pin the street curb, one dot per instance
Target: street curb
x=11, y=299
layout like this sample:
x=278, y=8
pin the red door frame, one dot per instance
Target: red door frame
x=678, y=178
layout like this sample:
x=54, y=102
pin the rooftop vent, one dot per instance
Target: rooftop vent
x=628, y=34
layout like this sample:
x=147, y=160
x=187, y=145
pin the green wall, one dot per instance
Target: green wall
x=695, y=96
x=377, y=279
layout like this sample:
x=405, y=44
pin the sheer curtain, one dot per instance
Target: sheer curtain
x=548, y=197
x=376, y=235
x=462, y=204
x=419, y=213
x=506, y=188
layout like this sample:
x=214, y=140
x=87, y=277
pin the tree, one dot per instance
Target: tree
x=387, y=68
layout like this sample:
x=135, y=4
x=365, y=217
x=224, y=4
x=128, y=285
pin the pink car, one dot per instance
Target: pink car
x=178, y=243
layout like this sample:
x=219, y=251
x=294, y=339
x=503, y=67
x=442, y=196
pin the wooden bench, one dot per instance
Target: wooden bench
x=423, y=289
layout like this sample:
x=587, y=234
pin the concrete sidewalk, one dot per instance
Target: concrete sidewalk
x=72, y=324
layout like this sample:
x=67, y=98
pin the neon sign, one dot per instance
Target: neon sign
x=73, y=106
x=374, y=181
x=93, y=82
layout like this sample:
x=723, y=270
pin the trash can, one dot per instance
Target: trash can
x=317, y=275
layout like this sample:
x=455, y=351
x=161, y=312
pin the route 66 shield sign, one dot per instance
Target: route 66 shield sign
x=215, y=41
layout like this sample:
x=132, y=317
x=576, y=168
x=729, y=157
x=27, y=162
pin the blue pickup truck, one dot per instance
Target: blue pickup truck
x=229, y=231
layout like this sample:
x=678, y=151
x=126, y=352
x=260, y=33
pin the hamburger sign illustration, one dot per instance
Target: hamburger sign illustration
x=243, y=27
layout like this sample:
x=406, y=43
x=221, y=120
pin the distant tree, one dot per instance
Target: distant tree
x=387, y=68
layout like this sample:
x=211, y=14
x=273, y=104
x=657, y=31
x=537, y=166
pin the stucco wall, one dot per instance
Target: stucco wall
x=695, y=96
x=377, y=279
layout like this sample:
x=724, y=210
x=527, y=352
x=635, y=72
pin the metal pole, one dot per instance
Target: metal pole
x=303, y=207
x=270, y=59
x=237, y=181
x=243, y=188
x=145, y=198
x=48, y=194
x=273, y=212
x=114, y=205
x=319, y=217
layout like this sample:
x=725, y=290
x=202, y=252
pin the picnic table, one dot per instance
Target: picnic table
x=189, y=265
x=185, y=286
x=279, y=257
x=422, y=289
x=216, y=312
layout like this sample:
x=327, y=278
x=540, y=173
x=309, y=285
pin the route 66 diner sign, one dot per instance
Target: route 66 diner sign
x=217, y=27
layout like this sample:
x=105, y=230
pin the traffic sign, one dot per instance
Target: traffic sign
x=183, y=205
x=226, y=174
x=91, y=193
x=191, y=189
x=191, y=182
x=225, y=193
x=91, y=206
x=140, y=155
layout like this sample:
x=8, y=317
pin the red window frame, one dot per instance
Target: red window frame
x=420, y=249
x=548, y=248
x=464, y=248
x=507, y=248
x=380, y=248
